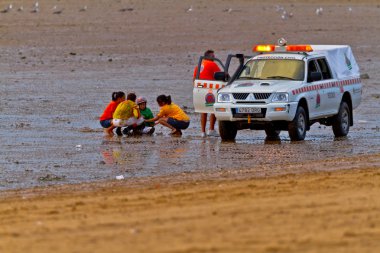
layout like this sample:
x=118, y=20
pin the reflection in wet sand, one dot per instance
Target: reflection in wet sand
x=163, y=155
x=272, y=140
x=28, y=156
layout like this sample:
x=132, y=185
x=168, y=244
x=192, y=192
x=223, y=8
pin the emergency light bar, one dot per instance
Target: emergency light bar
x=289, y=48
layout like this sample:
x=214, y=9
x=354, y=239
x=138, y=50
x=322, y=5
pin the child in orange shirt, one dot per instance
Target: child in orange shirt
x=171, y=116
x=107, y=116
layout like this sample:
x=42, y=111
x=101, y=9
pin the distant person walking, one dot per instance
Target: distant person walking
x=207, y=71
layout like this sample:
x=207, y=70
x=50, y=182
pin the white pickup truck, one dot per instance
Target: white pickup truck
x=283, y=87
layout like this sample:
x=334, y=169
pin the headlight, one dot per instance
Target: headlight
x=280, y=97
x=224, y=97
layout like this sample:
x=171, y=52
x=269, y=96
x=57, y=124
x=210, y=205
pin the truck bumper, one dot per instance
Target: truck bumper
x=269, y=112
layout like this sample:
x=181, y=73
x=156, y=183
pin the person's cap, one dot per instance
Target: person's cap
x=141, y=100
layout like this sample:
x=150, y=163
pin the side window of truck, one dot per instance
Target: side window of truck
x=326, y=73
x=311, y=67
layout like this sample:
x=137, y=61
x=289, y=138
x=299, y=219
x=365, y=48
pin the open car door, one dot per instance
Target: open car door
x=205, y=91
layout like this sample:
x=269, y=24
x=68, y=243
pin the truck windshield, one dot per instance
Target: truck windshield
x=269, y=69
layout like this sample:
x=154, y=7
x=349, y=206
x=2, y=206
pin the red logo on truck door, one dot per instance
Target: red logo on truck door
x=209, y=98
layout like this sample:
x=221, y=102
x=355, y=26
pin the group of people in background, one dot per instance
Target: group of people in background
x=131, y=116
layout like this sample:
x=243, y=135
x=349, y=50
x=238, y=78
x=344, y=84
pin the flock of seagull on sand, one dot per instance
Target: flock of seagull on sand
x=55, y=10
x=280, y=9
x=285, y=14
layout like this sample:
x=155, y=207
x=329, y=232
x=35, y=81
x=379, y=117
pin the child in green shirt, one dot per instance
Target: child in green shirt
x=146, y=113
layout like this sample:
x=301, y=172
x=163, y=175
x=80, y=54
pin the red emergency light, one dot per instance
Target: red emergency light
x=299, y=48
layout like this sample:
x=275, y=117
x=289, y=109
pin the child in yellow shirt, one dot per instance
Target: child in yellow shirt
x=127, y=114
x=171, y=116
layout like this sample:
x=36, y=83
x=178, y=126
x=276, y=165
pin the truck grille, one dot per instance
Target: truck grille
x=240, y=96
x=262, y=95
x=258, y=96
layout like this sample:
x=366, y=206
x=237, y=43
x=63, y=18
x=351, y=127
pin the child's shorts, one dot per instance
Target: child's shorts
x=178, y=124
x=127, y=122
x=106, y=123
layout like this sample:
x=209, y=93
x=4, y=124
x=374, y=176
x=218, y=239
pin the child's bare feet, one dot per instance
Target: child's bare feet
x=108, y=132
x=176, y=132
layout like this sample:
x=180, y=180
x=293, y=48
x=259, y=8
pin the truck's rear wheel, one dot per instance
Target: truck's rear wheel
x=227, y=130
x=341, y=122
x=297, y=127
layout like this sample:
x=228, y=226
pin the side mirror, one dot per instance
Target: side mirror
x=314, y=76
x=221, y=76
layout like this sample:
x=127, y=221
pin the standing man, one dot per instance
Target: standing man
x=208, y=68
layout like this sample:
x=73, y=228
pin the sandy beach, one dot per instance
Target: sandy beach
x=58, y=192
x=319, y=212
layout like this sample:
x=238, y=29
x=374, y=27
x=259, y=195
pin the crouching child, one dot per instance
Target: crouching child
x=106, y=118
x=171, y=116
x=127, y=114
x=147, y=114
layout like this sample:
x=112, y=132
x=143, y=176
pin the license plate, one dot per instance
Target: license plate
x=248, y=110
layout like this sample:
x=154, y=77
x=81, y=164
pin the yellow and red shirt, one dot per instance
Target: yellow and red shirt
x=173, y=111
x=126, y=109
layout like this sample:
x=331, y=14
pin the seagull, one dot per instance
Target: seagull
x=319, y=11
x=284, y=15
x=55, y=11
x=190, y=9
x=229, y=10
x=20, y=8
x=349, y=9
x=126, y=9
x=84, y=8
x=8, y=9
x=279, y=8
x=36, y=7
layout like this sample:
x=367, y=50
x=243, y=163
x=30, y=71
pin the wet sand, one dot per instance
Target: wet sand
x=180, y=194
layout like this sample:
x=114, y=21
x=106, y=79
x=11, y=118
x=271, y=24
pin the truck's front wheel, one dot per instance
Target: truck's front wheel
x=297, y=127
x=341, y=123
x=227, y=130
